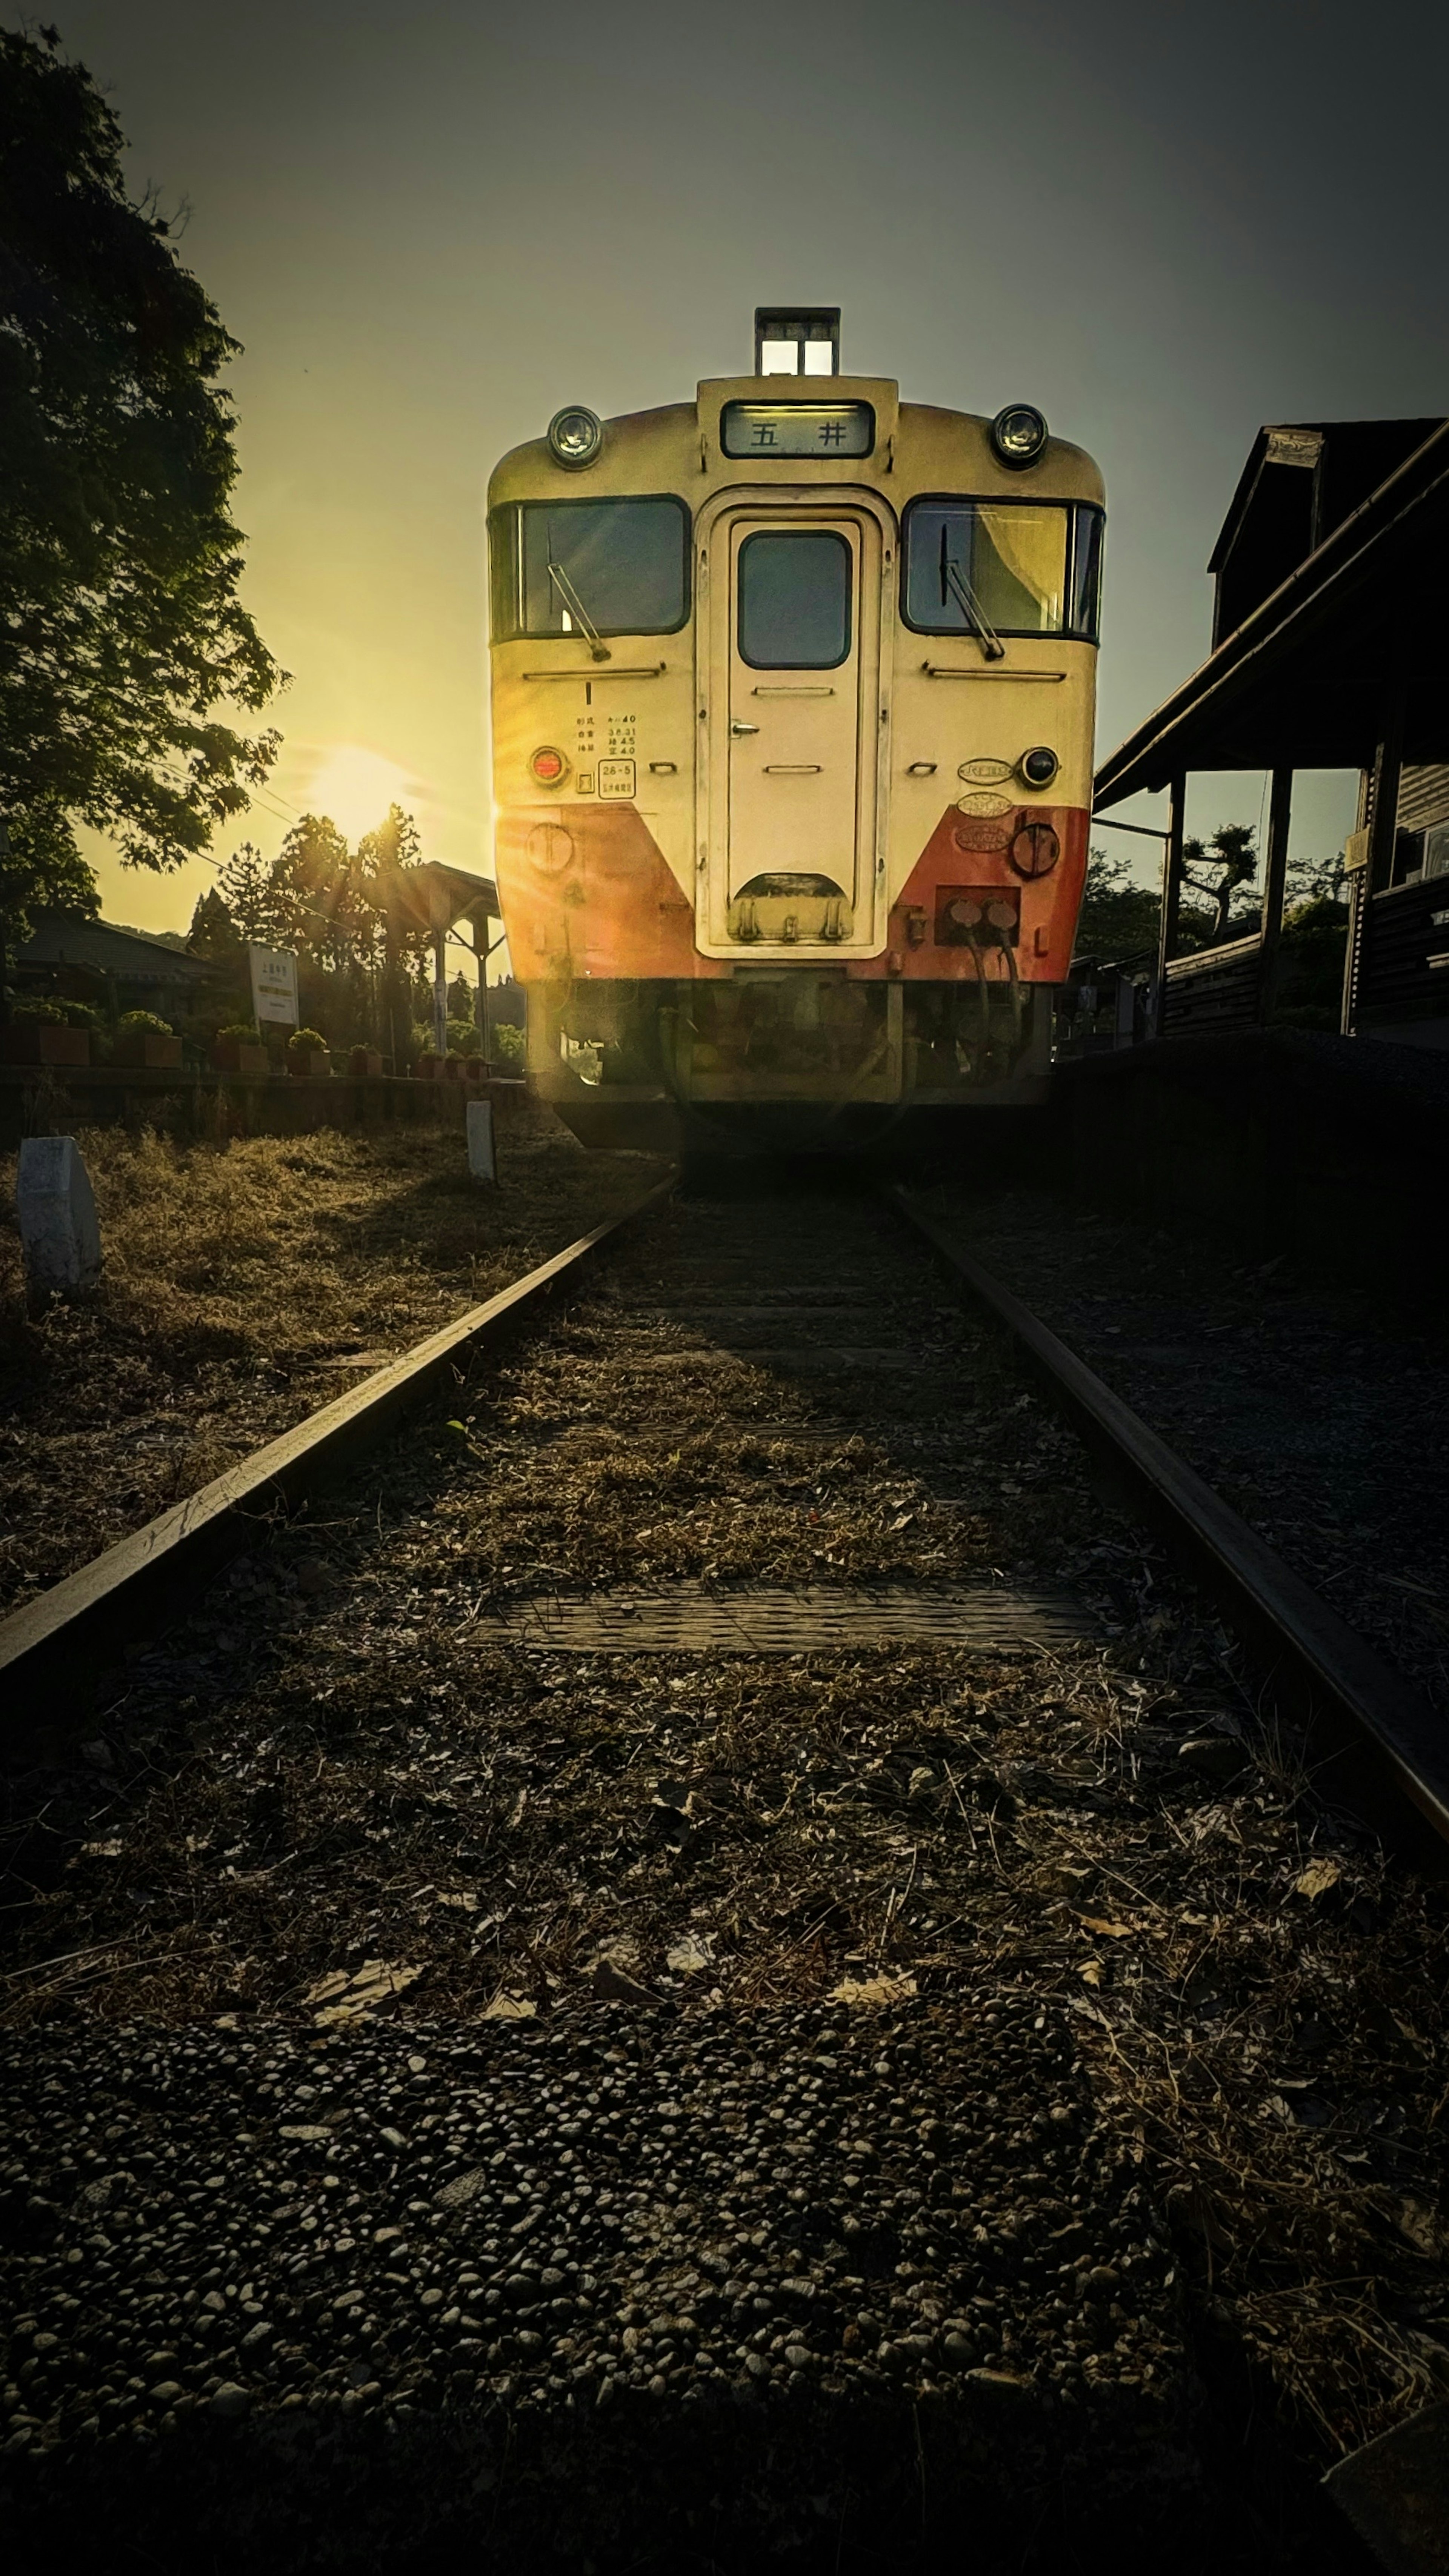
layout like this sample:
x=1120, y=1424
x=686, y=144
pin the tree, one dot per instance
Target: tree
x=1118, y=920
x=41, y=870
x=1231, y=851
x=310, y=889
x=1316, y=881
x=396, y=844
x=213, y=931
x=121, y=627
x=244, y=884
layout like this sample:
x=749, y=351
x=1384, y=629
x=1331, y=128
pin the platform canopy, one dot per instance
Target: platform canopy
x=1305, y=679
x=433, y=896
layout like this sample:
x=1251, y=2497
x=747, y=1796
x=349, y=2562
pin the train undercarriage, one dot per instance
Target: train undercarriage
x=784, y=1056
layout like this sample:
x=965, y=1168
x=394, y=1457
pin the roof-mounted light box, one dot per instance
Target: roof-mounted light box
x=791, y=340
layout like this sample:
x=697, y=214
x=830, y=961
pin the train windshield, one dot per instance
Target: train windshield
x=590, y=567
x=1006, y=567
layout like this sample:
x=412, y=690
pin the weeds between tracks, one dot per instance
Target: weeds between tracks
x=330, y=1769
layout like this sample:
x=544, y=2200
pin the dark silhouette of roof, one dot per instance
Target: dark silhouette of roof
x=69, y=939
x=1298, y=680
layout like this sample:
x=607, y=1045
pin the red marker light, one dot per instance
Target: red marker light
x=548, y=765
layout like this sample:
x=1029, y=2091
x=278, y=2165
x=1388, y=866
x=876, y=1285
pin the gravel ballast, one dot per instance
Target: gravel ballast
x=643, y=2111
x=1320, y=1413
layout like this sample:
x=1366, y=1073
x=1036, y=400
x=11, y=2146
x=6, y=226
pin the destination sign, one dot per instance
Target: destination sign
x=797, y=429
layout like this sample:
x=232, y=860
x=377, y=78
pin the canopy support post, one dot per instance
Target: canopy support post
x=1171, y=889
x=1382, y=786
x=1275, y=874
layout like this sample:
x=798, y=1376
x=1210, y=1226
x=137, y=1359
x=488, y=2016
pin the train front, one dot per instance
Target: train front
x=793, y=699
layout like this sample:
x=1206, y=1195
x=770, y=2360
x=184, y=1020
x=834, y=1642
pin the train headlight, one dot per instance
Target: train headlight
x=1018, y=435
x=548, y=765
x=575, y=435
x=1039, y=766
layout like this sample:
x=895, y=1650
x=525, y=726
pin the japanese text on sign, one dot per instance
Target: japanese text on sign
x=797, y=429
x=274, y=983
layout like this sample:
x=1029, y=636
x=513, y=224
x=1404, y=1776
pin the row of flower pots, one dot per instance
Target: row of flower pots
x=451, y=1068
x=53, y=1042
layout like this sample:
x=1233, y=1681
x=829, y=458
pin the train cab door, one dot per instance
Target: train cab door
x=793, y=765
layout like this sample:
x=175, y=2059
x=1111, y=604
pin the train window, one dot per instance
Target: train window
x=1008, y=558
x=613, y=567
x=1087, y=531
x=794, y=600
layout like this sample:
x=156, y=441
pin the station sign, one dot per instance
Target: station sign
x=274, y=984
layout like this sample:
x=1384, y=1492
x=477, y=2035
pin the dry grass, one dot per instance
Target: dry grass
x=244, y=1285
x=331, y=1769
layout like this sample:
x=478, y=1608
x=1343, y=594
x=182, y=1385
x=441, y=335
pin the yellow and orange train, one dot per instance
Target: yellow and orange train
x=793, y=696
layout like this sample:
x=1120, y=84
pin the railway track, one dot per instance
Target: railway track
x=708, y=1924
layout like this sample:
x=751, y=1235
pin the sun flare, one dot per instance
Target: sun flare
x=355, y=787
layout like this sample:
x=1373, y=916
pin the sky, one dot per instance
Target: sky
x=432, y=226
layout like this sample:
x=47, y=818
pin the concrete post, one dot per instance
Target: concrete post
x=481, y=1161
x=60, y=1232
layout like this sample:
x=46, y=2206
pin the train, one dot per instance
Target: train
x=793, y=693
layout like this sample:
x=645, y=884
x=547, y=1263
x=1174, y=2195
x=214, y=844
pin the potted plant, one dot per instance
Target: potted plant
x=239, y=1049
x=426, y=1066
x=40, y=1033
x=365, y=1059
x=143, y=1039
x=451, y=1067
x=475, y=1068
x=307, y=1053
x=506, y=1047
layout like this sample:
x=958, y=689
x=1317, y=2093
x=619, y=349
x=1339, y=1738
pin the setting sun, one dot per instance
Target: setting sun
x=355, y=787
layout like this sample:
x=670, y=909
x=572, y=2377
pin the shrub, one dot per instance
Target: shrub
x=245, y=1032
x=143, y=1024
x=35, y=1006
x=506, y=1044
x=462, y=1038
x=306, y=1042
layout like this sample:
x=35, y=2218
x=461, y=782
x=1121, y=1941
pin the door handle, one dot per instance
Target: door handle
x=737, y=727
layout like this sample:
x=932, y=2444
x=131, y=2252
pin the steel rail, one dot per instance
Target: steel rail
x=1354, y=1697
x=54, y=1648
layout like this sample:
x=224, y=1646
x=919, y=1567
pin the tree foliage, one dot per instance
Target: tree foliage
x=396, y=843
x=360, y=954
x=41, y=870
x=1118, y=919
x=1232, y=861
x=213, y=931
x=122, y=630
x=244, y=884
x=315, y=897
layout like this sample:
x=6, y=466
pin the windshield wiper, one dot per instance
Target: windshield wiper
x=576, y=609
x=954, y=579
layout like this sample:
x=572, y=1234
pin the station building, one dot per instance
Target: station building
x=1328, y=652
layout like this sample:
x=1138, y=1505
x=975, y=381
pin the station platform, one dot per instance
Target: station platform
x=1333, y=1150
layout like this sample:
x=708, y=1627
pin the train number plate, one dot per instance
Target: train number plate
x=616, y=778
